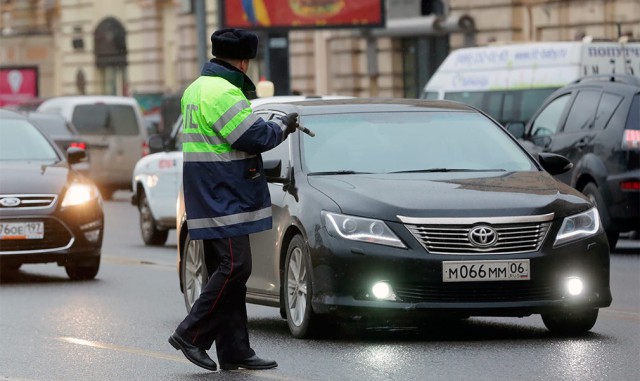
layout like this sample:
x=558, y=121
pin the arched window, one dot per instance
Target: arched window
x=110, y=49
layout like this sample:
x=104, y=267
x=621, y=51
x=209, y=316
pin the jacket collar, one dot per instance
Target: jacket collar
x=222, y=69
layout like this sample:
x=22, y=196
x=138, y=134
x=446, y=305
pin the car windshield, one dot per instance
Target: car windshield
x=19, y=140
x=409, y=142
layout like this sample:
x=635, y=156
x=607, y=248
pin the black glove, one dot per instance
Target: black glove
x=291, y=122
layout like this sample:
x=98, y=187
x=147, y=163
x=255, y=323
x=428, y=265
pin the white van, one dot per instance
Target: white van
x=114, y=130
x=509, y=82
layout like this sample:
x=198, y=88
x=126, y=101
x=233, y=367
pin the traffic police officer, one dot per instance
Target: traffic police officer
x=226, y=198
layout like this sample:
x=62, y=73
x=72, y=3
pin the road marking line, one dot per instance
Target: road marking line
x=163, y=356
x=95, y=344
x=138, y=262
x=621, y=314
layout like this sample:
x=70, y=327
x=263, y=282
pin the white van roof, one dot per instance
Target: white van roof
x=88, y=99
x=532, y=65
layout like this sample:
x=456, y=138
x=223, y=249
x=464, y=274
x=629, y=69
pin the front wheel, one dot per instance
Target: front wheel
x=151, y=235
x=84, y=271
x=298, y=290
x=571, y=322
x=193, y=271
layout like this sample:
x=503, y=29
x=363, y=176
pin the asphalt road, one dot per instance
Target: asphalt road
x=116, y=328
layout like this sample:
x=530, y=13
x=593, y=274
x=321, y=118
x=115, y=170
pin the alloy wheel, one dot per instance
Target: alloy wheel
x=194, y=272
x=297, y=286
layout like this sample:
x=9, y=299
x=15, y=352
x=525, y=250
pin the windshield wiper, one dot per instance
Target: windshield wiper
x=428, y=170
x=342, y=172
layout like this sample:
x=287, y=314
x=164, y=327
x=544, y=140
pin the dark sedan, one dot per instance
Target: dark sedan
x=49, y=212
x=404, y=209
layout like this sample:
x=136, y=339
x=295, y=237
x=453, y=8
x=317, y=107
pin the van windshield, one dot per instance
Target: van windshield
x=105, y=119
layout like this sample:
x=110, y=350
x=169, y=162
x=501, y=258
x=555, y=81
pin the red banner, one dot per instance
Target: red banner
x=301, y=14
x=18, y=85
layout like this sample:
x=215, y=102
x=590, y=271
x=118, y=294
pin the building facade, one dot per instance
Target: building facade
x=147, y=48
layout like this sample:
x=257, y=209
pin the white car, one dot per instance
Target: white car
x=157, y=178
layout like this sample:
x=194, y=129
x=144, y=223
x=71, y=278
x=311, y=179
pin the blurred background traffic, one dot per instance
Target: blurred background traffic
x=113, y=72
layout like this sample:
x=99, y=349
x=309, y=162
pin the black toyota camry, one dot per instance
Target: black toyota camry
x=49, y=212
x=404, y=209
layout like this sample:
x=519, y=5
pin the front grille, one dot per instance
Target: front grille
x=28, y=201
x=512, y=291
x=56, y=237
x=451, y=236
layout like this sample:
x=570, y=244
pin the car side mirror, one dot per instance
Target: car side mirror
x=156, y=143
x=553, y=163
x=75, y=155
x=272, y=169
x=516, y=129
x=543, y=141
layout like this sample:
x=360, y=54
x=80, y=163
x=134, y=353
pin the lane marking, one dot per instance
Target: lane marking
x=163, y=356
x=620, y=314
x=142, y=352
x=138, y=262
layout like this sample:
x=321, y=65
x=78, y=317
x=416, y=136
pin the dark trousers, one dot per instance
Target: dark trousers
x=220, y=313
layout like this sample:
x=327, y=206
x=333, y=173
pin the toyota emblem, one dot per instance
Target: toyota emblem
x=9, y=202
x=483, y=236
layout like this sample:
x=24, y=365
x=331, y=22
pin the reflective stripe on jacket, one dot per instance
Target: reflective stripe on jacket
x=225, y=188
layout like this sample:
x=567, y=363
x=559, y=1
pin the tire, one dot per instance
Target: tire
x=83, y=272
x=8, y=268
x=193, y=271
x=151, y=235
x=570, y=322
x=298, y=290
x=106, y=192
x=591, y=191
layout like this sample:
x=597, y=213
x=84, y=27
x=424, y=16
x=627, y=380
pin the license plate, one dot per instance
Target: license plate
x=479, y=271
x=21, y=230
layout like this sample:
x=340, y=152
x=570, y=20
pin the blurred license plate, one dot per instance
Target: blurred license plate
x=474, y=271
x=21, y=230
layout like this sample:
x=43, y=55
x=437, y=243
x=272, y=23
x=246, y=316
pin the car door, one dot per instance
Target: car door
x=265, y=246
x=574, y=138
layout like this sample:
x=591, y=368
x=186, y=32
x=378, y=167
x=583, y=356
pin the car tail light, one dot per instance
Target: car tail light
x=631, y=139
x=631, y=185
x=79, y=145
x=145, y=148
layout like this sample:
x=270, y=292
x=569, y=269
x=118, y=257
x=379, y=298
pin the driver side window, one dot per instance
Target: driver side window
x=548, y=120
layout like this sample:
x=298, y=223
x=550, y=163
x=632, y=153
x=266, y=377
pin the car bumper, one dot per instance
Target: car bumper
x=73, y=236
x=345, y=272
x=624, y=209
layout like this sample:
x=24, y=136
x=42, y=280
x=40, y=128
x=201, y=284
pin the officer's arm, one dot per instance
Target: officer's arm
x=260, y=136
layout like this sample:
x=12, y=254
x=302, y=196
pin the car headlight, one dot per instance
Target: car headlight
x=578, y=226
x=360, y=229
x=79, y=194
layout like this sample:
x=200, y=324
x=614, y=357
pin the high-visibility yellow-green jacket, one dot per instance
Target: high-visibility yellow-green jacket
x=225, y=188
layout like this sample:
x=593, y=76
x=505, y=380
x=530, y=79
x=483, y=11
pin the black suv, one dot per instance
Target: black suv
x=595, y=123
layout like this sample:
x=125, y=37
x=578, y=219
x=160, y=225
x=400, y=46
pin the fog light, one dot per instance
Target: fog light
x=92, y=235
x=383, y=291
x=575, y=286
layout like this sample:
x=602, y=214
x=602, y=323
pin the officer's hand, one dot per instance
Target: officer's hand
x=291, y=122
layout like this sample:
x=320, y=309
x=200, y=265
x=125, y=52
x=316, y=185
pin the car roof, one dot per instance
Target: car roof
x=294, y=98
x=88, y=99
x=621, y=83
x=44, y=115
x=10, y=114
x=333, y=106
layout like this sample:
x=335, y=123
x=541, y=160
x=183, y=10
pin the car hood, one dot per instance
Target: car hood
x=386, y=196
x=33, y=177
